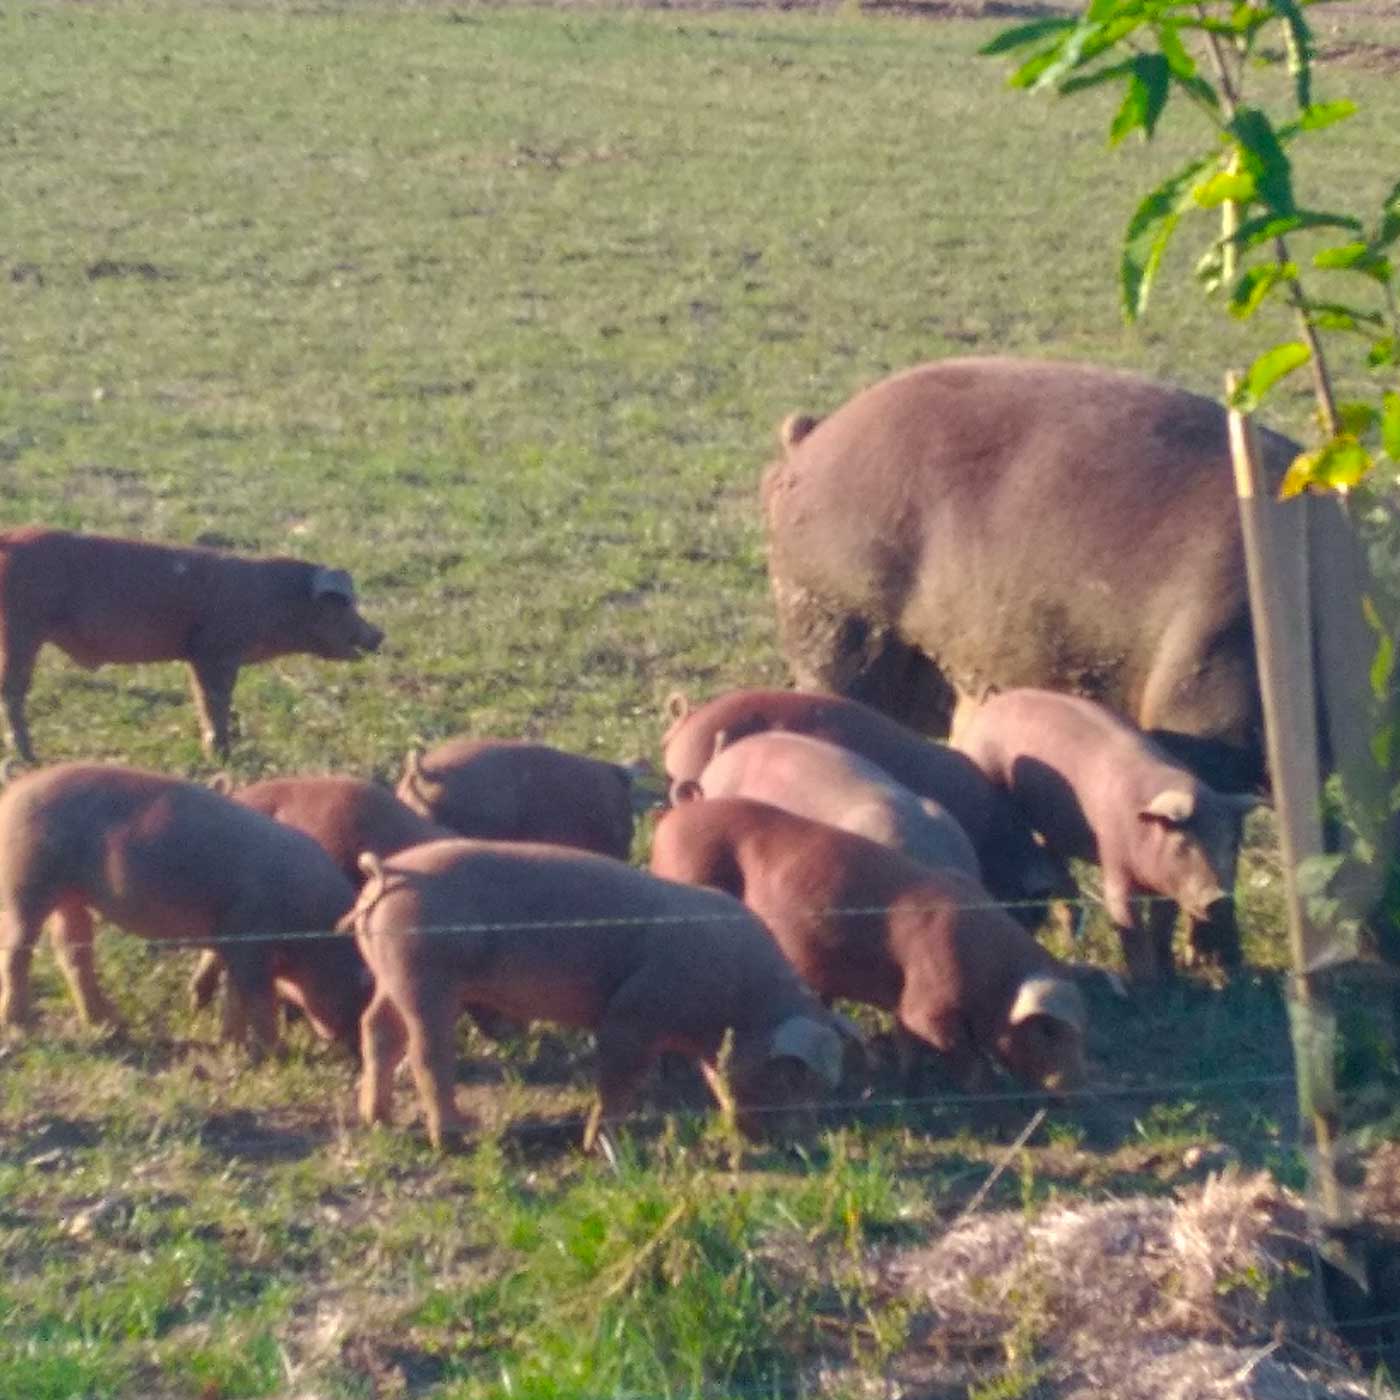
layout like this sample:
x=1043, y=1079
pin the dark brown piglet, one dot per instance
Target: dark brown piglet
x=105, y=600
x=860, y=921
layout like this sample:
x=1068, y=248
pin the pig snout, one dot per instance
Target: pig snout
x=343, y=634
x=364, y=635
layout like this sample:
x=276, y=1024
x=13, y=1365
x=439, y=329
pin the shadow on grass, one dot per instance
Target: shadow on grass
x=252, y=1137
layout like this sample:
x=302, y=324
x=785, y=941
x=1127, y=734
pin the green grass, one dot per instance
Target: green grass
x=498, y=308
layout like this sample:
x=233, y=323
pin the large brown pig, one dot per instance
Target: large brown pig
x=172, y=860
x=515, y=790
x=833, y=785
x=995, y=523
x=860, y=921
x=104, y=600
x=1014, y=867
x=344, y=816
x=544, y=933
x=1097, y=788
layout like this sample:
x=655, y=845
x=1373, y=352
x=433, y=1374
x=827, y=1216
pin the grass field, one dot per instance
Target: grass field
x=498, y=308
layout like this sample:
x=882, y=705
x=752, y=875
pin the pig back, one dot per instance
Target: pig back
x=344, y=816
x=162, y=856
x=514, y=790
x=829, y=784
x=543, y=932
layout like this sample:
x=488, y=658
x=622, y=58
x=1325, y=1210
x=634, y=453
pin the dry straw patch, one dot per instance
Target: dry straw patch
x=1208, y=1295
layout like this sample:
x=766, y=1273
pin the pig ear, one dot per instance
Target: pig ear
x=222, y=783
x=1056, y=997
x=371, y=867
x=819, y=1047
x=794, y=428
x=686, y=790
x=677, y=707
x=334, y=583
x=1174, y=806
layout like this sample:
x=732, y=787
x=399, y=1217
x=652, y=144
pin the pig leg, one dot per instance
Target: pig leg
x=624, y=1054
x=250, y=1001
x=1161, y=928
x=211, y=682
x=204, y=980
x=1134, y=920
x=383, y=1040
x=70, y=931
x=17, y=938
x=430, y=1019
x=17, y=656
x=958, y=1057
x=1146, y=939
x=1216, y=938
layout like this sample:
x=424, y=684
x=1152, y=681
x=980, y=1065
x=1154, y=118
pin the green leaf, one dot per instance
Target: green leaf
x=1028, y=74
x=1384, y=351
x=1390, y=426
x=1018, y=36
x=1148, y=86
x=1382, y=667
x=1319, y=115
x=1254, y=284
x=1224, y=185
x=1245, y=19
x=1357, y=417
x=1148, y=233
x=1264, y=158
x=1099, y=75
x=1356, y=257
x=1338, y=316
x=1383, y=663
x=1267, y=370
x=1337, y=466
x=1266, y=227
x=1174, y=51
x=1088, y=40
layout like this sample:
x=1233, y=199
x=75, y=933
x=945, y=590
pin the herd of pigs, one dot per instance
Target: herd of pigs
x=814, y=849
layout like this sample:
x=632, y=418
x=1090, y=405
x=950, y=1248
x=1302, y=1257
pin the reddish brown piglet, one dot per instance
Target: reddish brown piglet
x=543, y=933
x=344, y=816
x=515, y=790
x=863, y=922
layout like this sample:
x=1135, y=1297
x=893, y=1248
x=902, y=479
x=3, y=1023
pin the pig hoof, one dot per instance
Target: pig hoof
x=451, y=1137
